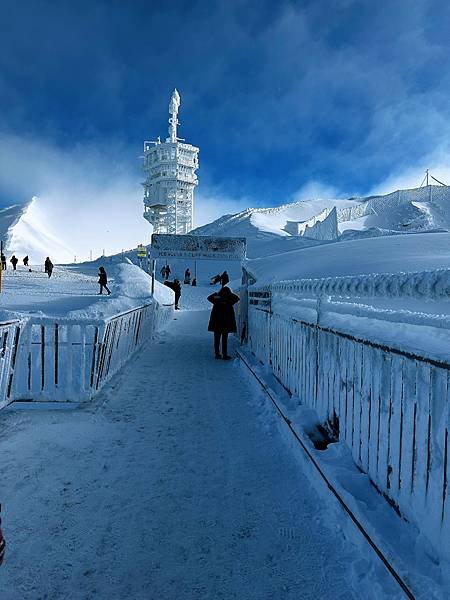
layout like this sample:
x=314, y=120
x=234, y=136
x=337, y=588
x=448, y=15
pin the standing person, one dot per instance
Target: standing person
x=163, y=272
x=168, y=271
x=177, y=289
x=25, y=261
x=222, y=320
x=175, y=285
x=48, y=267
x=187, y=277
x=224, y=279
x=3, y=262
x=14, y=261
x=103, y=280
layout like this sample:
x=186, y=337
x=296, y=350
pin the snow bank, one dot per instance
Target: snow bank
x=393, y=254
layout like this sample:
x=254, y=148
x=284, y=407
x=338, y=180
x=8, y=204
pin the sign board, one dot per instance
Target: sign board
x=197, y=246
x=141, y=251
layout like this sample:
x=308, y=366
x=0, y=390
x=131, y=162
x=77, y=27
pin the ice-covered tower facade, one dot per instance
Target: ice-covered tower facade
x=170, y=179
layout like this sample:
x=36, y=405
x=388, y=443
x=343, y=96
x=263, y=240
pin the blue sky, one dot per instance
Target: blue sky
x=285, y=99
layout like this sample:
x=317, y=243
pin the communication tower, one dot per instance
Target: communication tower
x=170, y=168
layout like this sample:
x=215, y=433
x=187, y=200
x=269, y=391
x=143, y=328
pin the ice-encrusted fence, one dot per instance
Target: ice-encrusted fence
x=9, y=336
x=363, y=366
x=66, y=360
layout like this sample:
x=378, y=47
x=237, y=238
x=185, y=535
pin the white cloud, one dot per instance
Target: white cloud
x=211, y=203
x=87, y=197
x=313, y=189
x=412, y=176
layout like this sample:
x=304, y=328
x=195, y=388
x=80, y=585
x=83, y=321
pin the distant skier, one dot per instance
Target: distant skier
x=175, y=285
x=222, y=320
x=187, y=277
x=3, y=262
x=48, y=267
x=103, y=280
x=25, y=261
x=14, y=262
x=224, y=279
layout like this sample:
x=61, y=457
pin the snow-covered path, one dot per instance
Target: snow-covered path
x=175, y=484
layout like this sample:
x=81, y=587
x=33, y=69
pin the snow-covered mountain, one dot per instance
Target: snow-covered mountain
x=270, y=230
x=33, y=229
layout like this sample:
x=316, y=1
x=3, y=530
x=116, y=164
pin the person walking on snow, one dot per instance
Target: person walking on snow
x=14, y=261
x=103, y=280
x=163, y=272
x=187, y=277
x=48, y=267
x=3, y=262
x=222, y=320
x=25, y=261
x=168, y=271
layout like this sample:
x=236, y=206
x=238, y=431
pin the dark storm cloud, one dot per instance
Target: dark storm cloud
x=279, y=96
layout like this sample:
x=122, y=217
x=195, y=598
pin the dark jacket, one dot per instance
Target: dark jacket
x=222, y=313
x=48, y=265
x=224, y=278
x=176, y=287
x=102, y=278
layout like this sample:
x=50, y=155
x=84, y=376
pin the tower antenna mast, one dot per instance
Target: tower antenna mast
x=174, y=106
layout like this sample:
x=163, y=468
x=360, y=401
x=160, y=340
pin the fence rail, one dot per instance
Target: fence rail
x=392, y=404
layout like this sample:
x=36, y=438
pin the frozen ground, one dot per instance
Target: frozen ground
x=172, y=485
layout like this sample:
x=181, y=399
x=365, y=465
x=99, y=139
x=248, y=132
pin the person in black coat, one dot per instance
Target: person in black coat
x=25, y=261
x=103, y=280
x=14, y=261
x=175, y=285
x=3, y=262
x=222, y=320
x=48, y=267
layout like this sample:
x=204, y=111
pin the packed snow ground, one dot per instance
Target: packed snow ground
x=175, y=483
x=72, y=292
